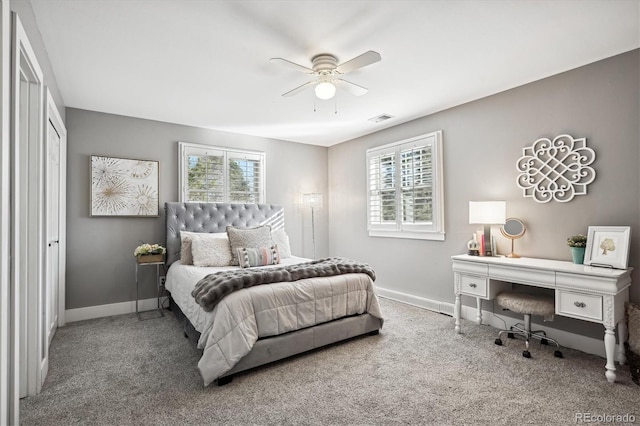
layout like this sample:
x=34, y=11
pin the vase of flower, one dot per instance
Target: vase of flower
x=149, y=253
x=577, y=243
x=577, y=253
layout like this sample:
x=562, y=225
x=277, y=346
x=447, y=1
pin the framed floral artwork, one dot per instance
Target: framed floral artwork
x=608, y=246
x=124, y=187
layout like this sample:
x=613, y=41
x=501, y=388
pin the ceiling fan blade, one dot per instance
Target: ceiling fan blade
x=291, y=65
x=350, y=87
x=299, y=89
x=363, y=60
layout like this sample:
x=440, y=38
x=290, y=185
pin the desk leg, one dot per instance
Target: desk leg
x=479, y=306
x=622, y=337
x=456, y=312
x=609, y=348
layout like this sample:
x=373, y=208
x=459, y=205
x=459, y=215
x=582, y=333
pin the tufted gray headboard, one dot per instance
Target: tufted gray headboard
x=215, y=217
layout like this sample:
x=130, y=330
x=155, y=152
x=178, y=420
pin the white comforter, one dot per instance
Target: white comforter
x=229, y=332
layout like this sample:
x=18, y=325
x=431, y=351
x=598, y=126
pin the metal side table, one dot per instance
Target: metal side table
x=158, y=292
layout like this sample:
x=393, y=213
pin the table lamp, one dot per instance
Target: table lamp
x=487, y=213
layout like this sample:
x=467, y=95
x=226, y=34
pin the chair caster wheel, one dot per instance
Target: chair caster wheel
x=558, y=354
x=526, y=354
x=544, y=342
x=498, y=342
x=510, y=336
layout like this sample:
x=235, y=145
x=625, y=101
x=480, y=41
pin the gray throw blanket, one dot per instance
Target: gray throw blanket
x=210, y=290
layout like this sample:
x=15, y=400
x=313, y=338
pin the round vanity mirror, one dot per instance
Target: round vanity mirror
x=513, y=229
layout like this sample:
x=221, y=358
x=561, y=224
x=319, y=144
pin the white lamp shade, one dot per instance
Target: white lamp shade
x=487, y=212
x=325, y=90
x=313, y=200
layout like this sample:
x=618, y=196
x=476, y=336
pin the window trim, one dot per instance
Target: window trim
x=186, y=148
x=436, y=231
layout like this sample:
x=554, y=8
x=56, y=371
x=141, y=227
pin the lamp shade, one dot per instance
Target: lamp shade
x=313, y=200
x=487, y=212
x=325, y=90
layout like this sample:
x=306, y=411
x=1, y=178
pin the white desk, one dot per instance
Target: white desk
x=583, y=292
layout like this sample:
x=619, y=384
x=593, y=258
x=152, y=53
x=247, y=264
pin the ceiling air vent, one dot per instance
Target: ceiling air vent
x=380, y=118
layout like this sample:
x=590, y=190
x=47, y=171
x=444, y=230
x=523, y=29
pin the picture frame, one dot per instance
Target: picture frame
x=608, y=246
x=123, y=187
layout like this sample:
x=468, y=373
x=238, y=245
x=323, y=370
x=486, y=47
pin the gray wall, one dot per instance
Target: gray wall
x=100, y=262
x=482, y=141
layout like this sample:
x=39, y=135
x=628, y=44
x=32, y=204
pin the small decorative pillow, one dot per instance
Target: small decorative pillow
x=281, y=239
x=252, y=237
x=211, y=250
x=633, y=322
x=261, y=256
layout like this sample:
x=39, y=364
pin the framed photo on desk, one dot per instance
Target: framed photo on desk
x=608, y=246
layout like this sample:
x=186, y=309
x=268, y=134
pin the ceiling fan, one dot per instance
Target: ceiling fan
x=327, y=74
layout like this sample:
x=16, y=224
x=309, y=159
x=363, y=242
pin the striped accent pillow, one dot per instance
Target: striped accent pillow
x=259, y=256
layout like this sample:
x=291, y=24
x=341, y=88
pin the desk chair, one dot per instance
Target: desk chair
x=527, y=304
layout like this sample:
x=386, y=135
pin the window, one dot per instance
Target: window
x=405, y=192
x=219, y=175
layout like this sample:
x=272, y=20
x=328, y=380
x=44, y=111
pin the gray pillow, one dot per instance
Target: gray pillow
x=249, y=238
x=186, y=239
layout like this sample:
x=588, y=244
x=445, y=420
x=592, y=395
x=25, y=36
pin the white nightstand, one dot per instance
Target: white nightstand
x=158, y=292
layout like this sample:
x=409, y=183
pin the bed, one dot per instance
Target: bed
x=246, y=329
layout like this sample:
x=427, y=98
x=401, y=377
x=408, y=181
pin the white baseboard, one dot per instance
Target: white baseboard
x=566, y=339
x=99, y=311
x=421, y=302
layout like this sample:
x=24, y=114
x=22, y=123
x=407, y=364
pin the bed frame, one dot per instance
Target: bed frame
x=215, y=217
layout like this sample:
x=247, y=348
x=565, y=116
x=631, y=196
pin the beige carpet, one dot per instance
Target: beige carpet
x=119, y=371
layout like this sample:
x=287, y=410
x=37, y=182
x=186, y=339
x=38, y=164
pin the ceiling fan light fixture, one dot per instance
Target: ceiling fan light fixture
x=325, y=90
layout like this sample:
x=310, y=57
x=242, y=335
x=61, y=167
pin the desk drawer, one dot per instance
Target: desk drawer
x=474, y=286
x=579, y=305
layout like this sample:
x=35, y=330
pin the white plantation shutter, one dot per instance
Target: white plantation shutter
x=211, y=174
x=405, y=197
x=382, y=189
x=416, y=177
x=205, y=176
x=245, y=177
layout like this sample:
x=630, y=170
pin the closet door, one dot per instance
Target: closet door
x=55, y=220
x=50, y=292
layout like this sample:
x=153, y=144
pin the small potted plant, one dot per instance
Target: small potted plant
x=577, y=244
x=149, y=253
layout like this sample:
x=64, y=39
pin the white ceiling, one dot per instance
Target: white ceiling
x=206, y=63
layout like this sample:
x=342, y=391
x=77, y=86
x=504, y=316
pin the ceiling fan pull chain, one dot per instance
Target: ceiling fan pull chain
x=335, y=105
x=314, y=104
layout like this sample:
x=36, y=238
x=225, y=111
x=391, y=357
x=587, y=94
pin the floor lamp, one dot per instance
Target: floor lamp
x=314, y=201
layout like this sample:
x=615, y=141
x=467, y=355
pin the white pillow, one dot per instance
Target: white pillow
x=211, y=250
x=281, y=239
x=186, y=242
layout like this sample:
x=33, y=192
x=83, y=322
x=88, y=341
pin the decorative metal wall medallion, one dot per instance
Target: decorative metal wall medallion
x=556, y=170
